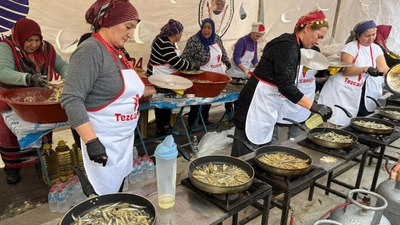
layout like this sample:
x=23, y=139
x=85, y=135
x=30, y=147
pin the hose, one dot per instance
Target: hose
x=335, y=208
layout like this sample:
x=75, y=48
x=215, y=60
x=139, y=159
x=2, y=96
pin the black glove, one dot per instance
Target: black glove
x=37, y=80
x=374, y=72
x=97, y=151
x=323, y=110
x=228, y=65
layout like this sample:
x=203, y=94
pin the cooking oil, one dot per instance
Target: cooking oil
x=166, y=201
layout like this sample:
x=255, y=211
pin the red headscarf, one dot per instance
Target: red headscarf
x=39, y=62
x=310, y=18
x=382, y=34
x=107, y=13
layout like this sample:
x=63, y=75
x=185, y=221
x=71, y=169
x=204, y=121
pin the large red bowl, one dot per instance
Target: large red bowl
x=207, y=84
x=37, y=111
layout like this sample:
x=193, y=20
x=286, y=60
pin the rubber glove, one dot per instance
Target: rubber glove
x=37, y=80
x=97, y=151
x=374, y=72
x=323, y=110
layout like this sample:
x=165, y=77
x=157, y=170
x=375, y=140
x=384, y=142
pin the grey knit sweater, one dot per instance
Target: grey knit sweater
x=93, y=80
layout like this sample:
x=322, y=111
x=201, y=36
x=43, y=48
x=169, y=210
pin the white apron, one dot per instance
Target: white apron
x=114, y=125
x=165, y=68
x=246, y=59
x=263, y=113
x=345, y=91
x=214, y=64
x=306, y=84
x=373, y=88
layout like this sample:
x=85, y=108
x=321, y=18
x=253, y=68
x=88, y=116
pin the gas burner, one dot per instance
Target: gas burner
x=393, y=100
x=340, y=153
x=257, y=190
x=373, y=140
x=227, y=197
x=395, y=122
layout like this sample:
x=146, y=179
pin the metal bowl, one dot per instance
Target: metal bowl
x=392, y=79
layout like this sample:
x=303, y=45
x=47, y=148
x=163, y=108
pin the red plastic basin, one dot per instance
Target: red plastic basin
x=207, y=84
x=37, y=111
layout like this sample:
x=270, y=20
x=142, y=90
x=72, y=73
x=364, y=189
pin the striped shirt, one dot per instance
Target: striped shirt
x=163, y=52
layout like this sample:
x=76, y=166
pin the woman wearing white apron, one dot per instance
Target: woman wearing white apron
x=101, y=95
x=274, y=81
x=244, y=60
x=306, y=84
x=206, y=50
x=345, y=88
x=165, y=59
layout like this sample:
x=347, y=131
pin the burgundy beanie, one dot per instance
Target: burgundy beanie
x=23, y=29
x=118, y=11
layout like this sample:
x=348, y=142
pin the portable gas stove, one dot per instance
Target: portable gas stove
x=374, y=141
x=289, y=186
x=393, y=100
x=346, y=154
x=234, y=203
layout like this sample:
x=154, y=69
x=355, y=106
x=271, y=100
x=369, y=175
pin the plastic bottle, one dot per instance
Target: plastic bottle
x=62, y=146
x=139, y=172
x=149, y=168
x=135, y=153
x=47, y=150
x=61, y=201
x=166, y=153
x=195, y=142
x=132, y=176
x=52, y=200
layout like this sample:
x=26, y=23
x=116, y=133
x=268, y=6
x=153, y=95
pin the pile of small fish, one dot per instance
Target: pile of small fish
x=56, y=95
x=221, y=175
x=284, y=161
x=334, y=137
x=117, y=213
x=392, y=112
x=372, y=125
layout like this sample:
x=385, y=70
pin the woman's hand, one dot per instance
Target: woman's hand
x=149, y=90
x=37, y=80
x=97, y=151
x=394, y=174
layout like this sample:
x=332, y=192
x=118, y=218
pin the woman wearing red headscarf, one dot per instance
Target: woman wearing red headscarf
x=101, y=95
x=25, y=60
x=382, y=35
x=274, y=81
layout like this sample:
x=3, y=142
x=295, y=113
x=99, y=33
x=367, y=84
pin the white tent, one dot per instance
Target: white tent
x=63, y=22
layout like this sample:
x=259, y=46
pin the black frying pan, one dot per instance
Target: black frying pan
x=368, y=130
x=219, y=159
x=259, y=152
x=385, y=111
x=312, y=136
x=93, y=202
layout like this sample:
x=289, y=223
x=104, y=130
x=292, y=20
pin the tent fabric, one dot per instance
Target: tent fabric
x=63, y=22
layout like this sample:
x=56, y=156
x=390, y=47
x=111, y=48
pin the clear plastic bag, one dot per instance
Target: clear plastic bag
x=214, y=141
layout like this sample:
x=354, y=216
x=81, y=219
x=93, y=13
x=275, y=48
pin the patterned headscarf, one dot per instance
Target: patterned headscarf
x=310, y=18
x=382, y=34
x=171, y=28
x=211, y=39
x=359, y=29
x=108, y=13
